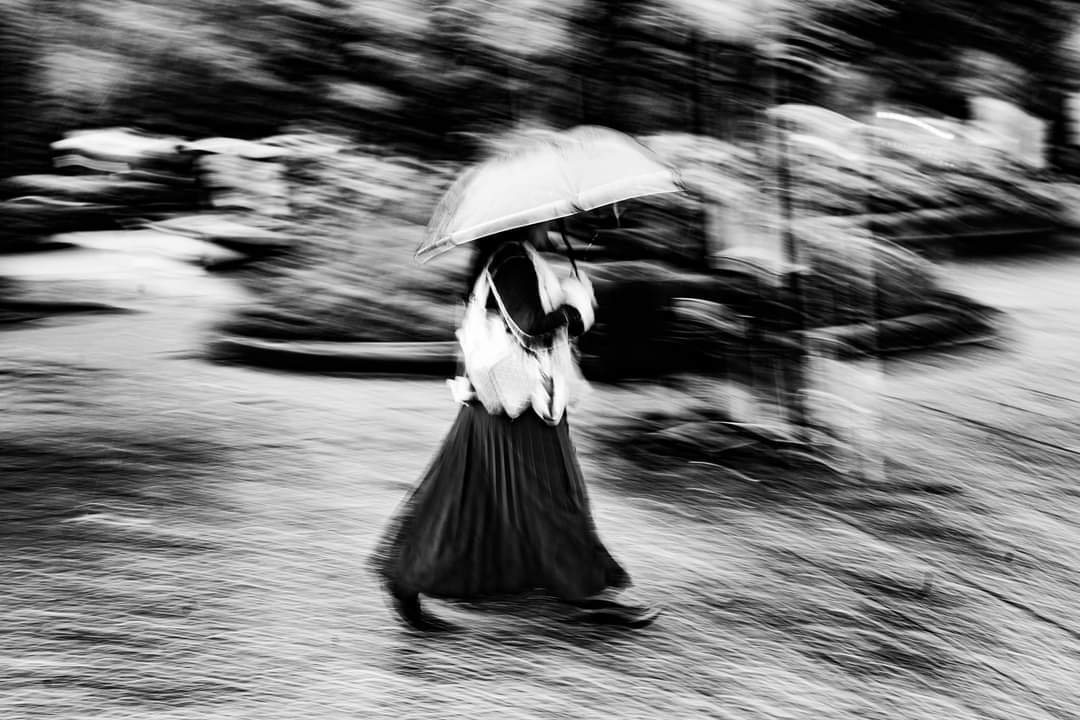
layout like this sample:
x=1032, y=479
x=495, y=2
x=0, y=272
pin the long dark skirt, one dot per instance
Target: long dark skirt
x=501, y=511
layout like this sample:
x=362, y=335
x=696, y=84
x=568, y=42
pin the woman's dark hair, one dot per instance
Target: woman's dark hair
x=483, y=249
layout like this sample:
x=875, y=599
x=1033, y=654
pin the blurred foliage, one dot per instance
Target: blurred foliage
x=932, y=54
x=906, y=178
x=358, y=216
x=429, y=75
x=391, y=95
x=352, y=276
x=23, y=139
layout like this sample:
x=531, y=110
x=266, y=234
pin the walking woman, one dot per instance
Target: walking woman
x=502, y=510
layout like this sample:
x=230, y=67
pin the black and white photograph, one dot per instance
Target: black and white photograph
x=539, y=359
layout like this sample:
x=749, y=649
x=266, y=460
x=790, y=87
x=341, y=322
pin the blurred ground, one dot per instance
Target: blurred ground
x=182, y=539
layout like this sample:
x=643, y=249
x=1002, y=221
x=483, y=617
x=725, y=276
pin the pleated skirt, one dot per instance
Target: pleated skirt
x=501, y=511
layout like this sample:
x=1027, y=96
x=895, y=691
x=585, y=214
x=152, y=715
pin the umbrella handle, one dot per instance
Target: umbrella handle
x=569, y=248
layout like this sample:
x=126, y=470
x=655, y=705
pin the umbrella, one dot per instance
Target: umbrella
x=555, y=176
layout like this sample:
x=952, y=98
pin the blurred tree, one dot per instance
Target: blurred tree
x=936, y=52
x=186, y=67
x=432, y=74
x=650, y=65
x=22, y=137
x=983, y=73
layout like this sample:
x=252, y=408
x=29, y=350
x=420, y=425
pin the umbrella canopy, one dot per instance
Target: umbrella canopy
x=547, y=178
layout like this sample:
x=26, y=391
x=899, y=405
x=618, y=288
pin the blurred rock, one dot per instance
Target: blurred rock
x=241, y=174
x=149, y=242
x=1072, y=104
x=934, y=142
x=104, y=189
x=225, y=230
x=815, y=120
x=123, y=146
x=238, y=182
x=24, y=221
x=1024, y=134
x=246, y=149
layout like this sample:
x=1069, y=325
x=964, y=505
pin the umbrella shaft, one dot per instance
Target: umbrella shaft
x=569, y=249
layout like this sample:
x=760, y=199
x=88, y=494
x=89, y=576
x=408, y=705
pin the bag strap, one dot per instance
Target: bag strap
x=485, y=285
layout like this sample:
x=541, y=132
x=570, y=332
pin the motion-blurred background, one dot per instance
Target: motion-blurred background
x=835, y=411
x=327, y=130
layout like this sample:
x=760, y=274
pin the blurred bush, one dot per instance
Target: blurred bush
x=359, y=218
x=908, y=185
x=357, y=215
x=856, y=278
x=379, y=101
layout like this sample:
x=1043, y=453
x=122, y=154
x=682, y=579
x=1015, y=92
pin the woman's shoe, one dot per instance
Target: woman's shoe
x=408, y=609
x=603, y=611
x=594, y=603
